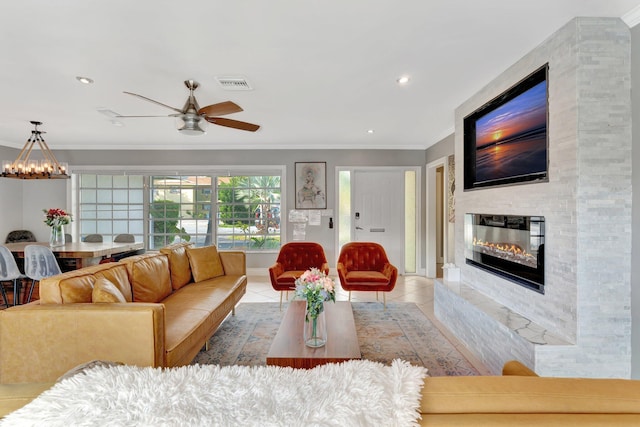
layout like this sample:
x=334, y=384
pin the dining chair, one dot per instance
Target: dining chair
x=20, y=236
x=9, y=272
x=39, y=262
x=124, y=238
x=93, y=238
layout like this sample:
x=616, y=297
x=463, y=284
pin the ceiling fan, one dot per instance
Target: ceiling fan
x=191, y=115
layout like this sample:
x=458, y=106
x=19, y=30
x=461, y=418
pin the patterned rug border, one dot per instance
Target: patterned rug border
x=403, y=331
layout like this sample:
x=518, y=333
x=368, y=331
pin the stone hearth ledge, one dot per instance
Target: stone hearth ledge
x=493, y=332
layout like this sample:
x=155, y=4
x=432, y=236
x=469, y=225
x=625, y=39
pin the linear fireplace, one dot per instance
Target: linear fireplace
x=510, y=246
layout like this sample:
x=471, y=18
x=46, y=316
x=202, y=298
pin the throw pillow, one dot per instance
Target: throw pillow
x=205, y=263
x=178, y=264
x=105, y=291
x=117, y=274
x=149, y=276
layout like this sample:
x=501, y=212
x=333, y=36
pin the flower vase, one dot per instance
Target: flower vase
x=57, y=236
x=315, y=329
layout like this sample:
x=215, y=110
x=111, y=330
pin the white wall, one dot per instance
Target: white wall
x=10, y=199
x=39, y=194
x=10, y=206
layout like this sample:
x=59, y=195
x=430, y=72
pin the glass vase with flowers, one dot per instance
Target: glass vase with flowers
x=56, y=219
x=315, y=287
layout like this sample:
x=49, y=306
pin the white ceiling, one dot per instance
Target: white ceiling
x=323, y=71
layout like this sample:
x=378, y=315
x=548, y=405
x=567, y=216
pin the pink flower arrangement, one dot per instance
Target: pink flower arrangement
x=56, y=217
x=315, y=287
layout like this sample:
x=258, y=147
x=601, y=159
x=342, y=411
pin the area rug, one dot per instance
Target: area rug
x=354, y=393
x=400, y=332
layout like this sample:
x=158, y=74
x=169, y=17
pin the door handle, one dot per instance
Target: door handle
x=359, y=228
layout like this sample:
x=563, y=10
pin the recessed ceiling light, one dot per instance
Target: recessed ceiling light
x=403, y=80
x=370, y=131
x=85, y=80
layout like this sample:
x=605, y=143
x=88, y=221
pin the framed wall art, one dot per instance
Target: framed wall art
x=311, y=185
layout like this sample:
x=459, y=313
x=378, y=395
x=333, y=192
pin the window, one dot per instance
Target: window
x=111, y=205
x=180, y=210
x=410, y=226
x=248, y=212
x=244, y=215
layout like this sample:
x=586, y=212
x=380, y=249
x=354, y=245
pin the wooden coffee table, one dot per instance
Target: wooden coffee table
x=288, y=348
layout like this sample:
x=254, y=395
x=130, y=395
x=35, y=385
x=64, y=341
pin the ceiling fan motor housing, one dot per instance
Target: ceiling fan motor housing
x=190, y=124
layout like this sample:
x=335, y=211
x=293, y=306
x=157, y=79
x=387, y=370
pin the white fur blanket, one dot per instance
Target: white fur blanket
x=354, y=393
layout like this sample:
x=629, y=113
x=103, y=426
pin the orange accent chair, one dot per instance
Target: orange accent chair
x=293, y=260
x=364, y=266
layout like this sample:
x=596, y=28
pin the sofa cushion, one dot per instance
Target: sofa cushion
x=119, y=277
x=149, y=277
x=205, y=263
x=77, y=286
x=193, y=314
x=67, y=288
x=367, y=277
x=105, y=291
x=178, y=264
x=289, y=277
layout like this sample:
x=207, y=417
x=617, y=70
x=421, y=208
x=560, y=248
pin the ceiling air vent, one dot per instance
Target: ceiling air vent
x=234, y=83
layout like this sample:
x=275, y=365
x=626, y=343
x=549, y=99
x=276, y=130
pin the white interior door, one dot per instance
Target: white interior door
x=378, y=211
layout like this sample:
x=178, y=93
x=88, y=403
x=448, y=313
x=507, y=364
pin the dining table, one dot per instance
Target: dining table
x=75, y=255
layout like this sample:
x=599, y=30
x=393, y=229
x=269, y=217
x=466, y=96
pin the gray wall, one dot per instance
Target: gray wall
x=165, y=159
x=442, y=148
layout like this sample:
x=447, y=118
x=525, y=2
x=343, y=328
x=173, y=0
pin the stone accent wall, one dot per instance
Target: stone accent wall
x=586, y=203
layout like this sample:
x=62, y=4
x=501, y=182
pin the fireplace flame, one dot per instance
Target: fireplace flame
x=505, y=250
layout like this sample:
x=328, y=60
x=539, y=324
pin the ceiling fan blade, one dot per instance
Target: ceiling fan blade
x=131, y=117
x=155, y=102
x=220, y=109
x=230, y=123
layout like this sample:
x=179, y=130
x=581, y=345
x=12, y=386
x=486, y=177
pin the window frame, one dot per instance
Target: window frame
x=213, y=172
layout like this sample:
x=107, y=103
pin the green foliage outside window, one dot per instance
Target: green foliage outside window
x=165, y=214
x=250, y=206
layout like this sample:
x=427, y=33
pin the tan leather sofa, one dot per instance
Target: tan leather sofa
x=518, y=398
x=521, y=398
x=156, y=309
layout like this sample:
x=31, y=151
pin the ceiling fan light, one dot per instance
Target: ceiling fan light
x=192, y=126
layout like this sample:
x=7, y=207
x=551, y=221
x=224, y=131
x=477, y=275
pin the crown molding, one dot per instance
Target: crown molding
x=632, y=18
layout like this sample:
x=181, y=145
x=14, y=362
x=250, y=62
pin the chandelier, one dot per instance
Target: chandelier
x=24, y=167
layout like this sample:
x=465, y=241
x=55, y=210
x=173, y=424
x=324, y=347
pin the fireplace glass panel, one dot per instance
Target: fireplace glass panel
x=510, y=246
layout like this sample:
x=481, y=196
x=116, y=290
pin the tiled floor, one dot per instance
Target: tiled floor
x=416, y=289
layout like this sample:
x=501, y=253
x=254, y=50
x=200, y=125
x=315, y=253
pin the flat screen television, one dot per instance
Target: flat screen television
x=505, y=140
